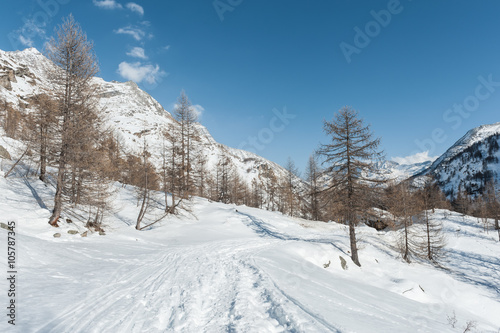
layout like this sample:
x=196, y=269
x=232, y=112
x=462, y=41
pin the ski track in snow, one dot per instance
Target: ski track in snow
x=213, y=287
x=237, y=269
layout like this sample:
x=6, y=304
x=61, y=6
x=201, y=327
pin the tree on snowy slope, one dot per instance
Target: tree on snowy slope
x=76, y=65
x=223, y=172
x=348, y=157
x=432, y=238
x=172, y=171
x=403, y=206
x=292, y=202
x=492, y=202
x=41, y=124
x=186, y=116
x=148, y=182
x=313, y=174
x=12, y=119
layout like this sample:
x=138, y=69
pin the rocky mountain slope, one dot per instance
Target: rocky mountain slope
x=130, y=112
x=470, y=163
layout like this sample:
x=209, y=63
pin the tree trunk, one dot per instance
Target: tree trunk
x=498, y=228
x=352, y=239
x=406, y=255
x=142, y=212
x=56, y=213
x=43, y=158
x=429, y=251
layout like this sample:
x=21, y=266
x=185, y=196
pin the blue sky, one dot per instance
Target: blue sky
x=266, y=73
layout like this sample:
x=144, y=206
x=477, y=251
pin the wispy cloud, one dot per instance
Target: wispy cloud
x=136, y=33
x=139, y=72
x=135, y=8
x=416, y=158
x=198, y=110
x=107, y=4
x=137, y=52
x=26, y=41
x=24, y=36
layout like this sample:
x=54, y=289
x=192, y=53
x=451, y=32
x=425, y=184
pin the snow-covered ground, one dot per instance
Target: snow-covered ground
x=226, y=268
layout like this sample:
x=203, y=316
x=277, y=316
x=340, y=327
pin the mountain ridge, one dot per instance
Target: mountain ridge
x=469, y=163
x=132, y=113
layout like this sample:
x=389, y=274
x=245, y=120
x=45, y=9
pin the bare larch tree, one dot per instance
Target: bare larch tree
x=186, y=116
x=76, y=65
x=349, y=158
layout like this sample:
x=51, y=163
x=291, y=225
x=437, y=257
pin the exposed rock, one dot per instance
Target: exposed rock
x=343, y=263
x=5, y=82
x=72, y=232
x=84, y=234
x=11, y=75
x=377, y=224
x=57, y=235
x=22, y=72
x=102, y=233
x=4, y=226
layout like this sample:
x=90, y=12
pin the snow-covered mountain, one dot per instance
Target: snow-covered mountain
x=394, y=171
x=470, y=163
x=133, y=114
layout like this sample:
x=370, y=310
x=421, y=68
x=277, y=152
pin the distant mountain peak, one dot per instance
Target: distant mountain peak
x=469, y=163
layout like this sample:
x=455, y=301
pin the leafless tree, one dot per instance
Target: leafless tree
x=223, y=172
x=186, y=116
x=403, y=207
x=313, y=174
x=491, y=198
x=76, y=65
x=432, y=241
x=147, y=183
x=43, y=125
x=349, y=157
x=290, y=188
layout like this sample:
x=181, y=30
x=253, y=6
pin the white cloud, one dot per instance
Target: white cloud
x=416, y=158
x=135, y=8
x=198, y=110
x=136, y=33
x=26, y=35
x=137, y=52
x=139, y=72
x=26, y=41
x=107, y=4
x=166, y=47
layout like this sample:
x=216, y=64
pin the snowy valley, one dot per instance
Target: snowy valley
x=218, y=267
x=227, y=268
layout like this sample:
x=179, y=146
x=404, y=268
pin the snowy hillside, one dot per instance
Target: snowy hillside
x=470, y=162
x=226, y=268
x=132, y=113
